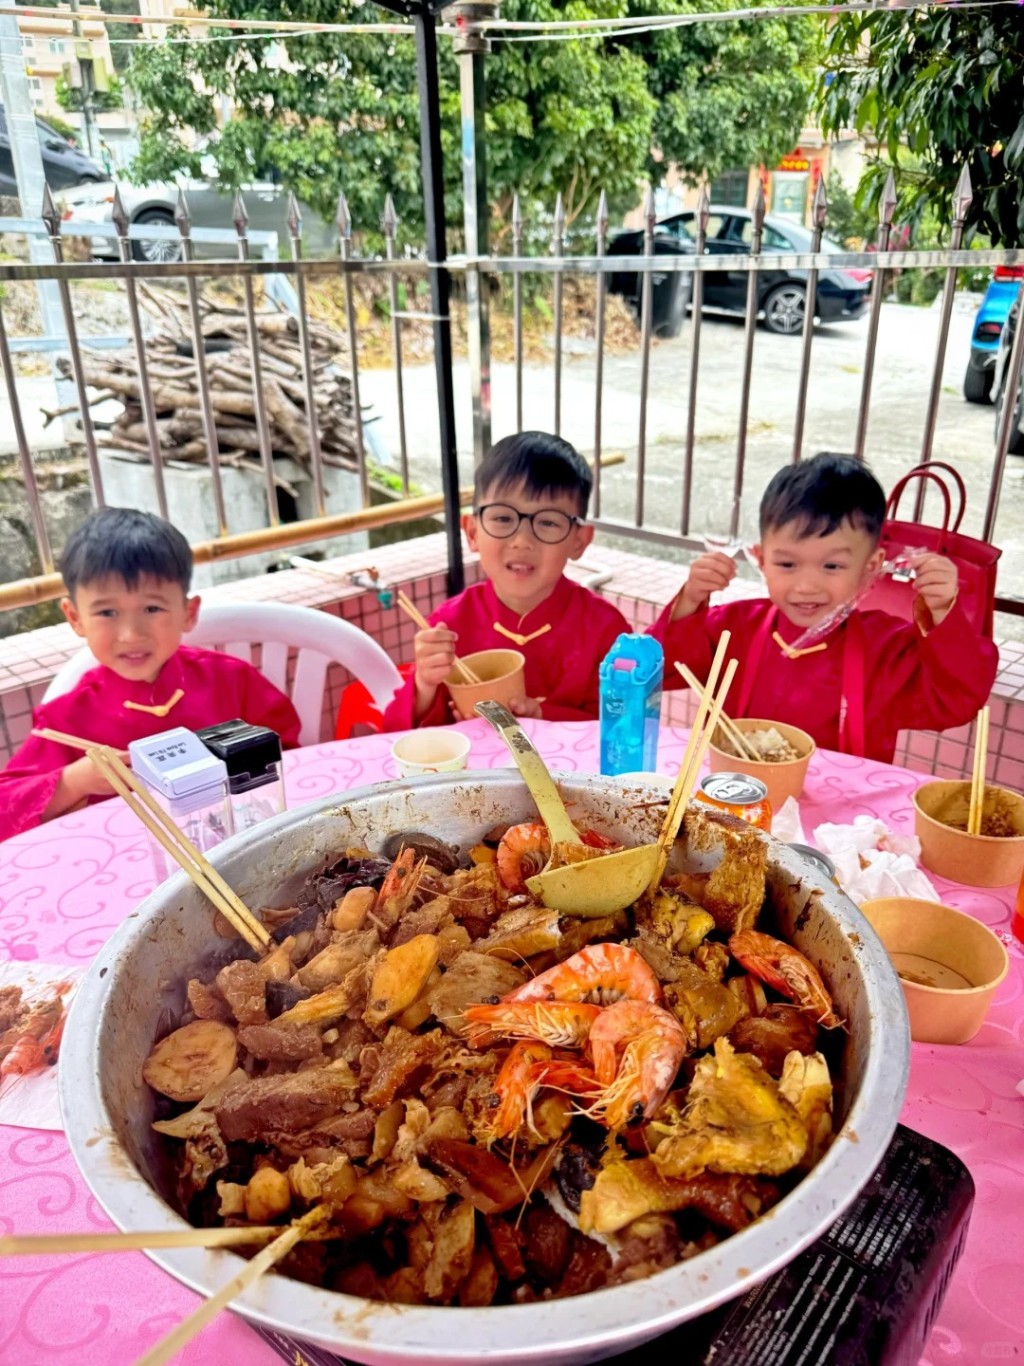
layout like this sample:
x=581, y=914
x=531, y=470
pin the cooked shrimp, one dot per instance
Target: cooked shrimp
x=786, y=970
x=400, y=884
x=523, y=851
x=515, y=1086
x=600, y=974
x=637, y=1049
x=561, y=1024
x=38, y=1041
x=530, y=1066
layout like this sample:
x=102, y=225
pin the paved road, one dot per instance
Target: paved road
x=903, y=370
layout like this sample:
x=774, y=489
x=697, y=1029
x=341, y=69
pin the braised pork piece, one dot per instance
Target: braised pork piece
x=498, y=1104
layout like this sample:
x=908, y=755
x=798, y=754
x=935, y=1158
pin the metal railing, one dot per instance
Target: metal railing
x=292, y=277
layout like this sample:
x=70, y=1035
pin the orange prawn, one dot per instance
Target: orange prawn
x=637, y=1049
x=599, y=974
x=38, y=1042
x=782, y=967
x=561, y=1024
x=531, y=1065
x=522, y=852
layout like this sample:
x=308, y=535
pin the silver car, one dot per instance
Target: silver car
x=209, y=205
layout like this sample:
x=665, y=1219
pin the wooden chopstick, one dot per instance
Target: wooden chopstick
x=61, y=737
x=976, y=810
x=741, y=744
x=32, y=1245
x=709, y=711
x=263, y=1261
x=410, y=609
x=184, y=853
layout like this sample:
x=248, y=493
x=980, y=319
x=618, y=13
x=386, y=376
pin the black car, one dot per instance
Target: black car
x=841, y=295
x=63, y=164
x=1000, y=377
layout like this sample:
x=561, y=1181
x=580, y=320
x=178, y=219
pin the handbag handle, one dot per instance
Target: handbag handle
x=929, y=471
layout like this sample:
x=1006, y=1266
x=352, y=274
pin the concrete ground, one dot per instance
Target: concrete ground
x=903, y=368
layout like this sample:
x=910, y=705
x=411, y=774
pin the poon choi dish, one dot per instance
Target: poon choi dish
x=492, y=1103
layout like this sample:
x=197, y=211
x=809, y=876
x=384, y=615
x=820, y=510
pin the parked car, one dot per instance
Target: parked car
x=782, y=294
x=209, y=205
x=63, y=163
x=1000, y=377
x=988, y=326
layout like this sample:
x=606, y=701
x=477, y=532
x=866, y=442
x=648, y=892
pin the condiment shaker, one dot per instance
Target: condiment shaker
x=191, y=785
x=252, y=755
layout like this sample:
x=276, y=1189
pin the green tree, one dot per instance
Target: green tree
x=330, y=112
x=947, y=87
x=70, y=97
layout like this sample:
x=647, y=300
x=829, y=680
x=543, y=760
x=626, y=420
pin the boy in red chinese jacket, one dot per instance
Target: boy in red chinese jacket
x=531, y=497
x=127, y=575
x=871, y=676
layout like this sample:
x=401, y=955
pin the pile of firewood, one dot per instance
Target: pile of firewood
x=229, y=367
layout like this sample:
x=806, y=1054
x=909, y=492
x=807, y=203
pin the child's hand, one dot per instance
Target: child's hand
x=709, y=574
x=433, y=655
x=526, y=706
x=935, y=584
x=78, y=781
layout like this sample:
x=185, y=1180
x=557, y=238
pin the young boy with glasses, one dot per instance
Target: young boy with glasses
x=531, y=496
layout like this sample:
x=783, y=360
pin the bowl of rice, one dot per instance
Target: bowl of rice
x=785, y=752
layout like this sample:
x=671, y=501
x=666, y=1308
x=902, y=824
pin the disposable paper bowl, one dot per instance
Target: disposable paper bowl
x=433, y=750
x=975, y=860
x=958, y=955
x=782, y=780
x=501, y=674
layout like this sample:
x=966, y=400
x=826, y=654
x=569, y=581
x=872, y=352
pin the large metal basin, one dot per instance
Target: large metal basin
x=134, y=991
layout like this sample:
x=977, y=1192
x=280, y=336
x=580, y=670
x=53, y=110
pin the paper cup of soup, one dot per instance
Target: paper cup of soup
x=949, y=965
x=995, y=858
x=783, y=775
x=433, y=750
x=501, y=674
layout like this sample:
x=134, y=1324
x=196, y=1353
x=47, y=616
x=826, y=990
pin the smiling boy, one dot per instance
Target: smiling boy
x=527, y=523
x=871, y=676
x=127, y=575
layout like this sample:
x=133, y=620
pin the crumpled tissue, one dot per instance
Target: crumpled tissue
x=872, y=862
x=786, y=824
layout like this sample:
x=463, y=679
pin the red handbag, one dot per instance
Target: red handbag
x=975, y=560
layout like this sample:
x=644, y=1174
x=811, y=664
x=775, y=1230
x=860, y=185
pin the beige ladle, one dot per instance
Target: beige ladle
x=600, y=884
x=608, y=883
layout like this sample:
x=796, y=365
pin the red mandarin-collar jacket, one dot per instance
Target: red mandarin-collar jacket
x=561, y=664
x=909, y=679
x=216, y=687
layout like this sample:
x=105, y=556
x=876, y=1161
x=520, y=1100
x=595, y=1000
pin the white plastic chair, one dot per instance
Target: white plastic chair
x=319, y=639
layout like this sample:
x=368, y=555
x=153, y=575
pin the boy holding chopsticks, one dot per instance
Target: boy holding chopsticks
x=852, y=685
x=127, y=575
x=531, y=496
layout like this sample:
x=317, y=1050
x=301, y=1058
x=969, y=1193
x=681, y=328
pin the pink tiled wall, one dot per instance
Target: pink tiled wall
x=639, y=587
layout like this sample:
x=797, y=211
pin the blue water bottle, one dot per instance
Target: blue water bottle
x=631, y=705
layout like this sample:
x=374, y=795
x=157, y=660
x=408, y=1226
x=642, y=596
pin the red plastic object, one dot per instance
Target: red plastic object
x=357, y=708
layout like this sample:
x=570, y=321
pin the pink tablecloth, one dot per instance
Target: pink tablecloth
x=65, y=888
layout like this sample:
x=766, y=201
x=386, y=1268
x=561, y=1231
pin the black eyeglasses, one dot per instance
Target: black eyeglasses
x=548, y=525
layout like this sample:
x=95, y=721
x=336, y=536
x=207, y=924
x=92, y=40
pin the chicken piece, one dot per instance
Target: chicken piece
x=735, y=1121
x=667, y=965
x=676, y=920
x=475, y=898
x=649, y=1244
x=334, y=963
x=626, y=1191
x=427, y=920
x=333, y=1181
x=807, y=1086
x=706, y=1011
x=713, y=960
x=771, y=1036
x=577, y=933
x=243, y=986
x=277, y=966
x=473, y=978
x=522, y=933
x=734, y=892
x=205, y=1149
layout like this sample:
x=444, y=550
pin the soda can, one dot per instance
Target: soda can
x=740, y=795
x=821, y=861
